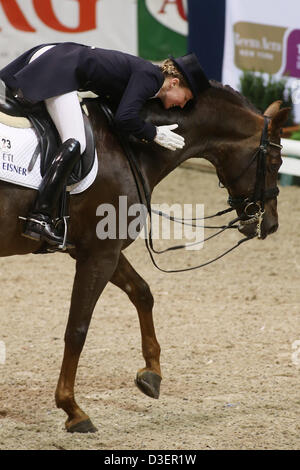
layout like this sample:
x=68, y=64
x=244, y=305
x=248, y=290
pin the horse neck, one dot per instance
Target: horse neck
x=214, y=128
x=156, y=161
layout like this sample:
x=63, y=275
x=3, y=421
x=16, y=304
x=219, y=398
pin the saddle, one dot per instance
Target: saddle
x=16, y=114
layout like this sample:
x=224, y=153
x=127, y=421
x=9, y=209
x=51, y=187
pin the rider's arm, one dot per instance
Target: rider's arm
x=141, y=86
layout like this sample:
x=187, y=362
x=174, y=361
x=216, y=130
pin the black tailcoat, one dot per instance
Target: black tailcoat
x=129, y=80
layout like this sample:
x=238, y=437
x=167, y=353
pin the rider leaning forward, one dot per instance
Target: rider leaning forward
x=54, y=73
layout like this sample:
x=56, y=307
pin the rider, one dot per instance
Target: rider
x=54, y=73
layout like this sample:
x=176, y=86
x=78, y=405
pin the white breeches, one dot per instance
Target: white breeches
x=65, y=112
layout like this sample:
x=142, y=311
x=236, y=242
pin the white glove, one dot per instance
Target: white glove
x=168, y=139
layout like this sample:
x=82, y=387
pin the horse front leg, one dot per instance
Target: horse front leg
x=126, y=278
x=92, y=275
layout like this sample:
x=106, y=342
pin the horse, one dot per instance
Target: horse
x=220, y=126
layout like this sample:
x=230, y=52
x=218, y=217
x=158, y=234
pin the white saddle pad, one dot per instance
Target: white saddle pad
x=16, y=149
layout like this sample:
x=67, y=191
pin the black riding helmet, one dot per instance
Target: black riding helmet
x=192, y=71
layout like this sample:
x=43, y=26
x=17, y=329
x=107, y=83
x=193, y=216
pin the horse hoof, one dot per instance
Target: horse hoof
x=149, y=383
x=83, y=427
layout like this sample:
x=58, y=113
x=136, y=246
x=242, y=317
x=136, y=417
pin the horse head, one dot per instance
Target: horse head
x=244, y=146
x=256, y=204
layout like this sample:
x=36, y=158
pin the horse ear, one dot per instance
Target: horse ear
x=273, y=109
x=280, y=118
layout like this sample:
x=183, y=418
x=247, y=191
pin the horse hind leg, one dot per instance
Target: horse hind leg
x=126, y=278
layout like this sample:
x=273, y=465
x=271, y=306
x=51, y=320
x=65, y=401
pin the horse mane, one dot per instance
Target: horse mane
x=234, y=96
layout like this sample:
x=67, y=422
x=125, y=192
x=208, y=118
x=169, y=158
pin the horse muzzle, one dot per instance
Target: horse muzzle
x=257, y=222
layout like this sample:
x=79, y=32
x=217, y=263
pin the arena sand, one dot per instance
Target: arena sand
x=228, y=333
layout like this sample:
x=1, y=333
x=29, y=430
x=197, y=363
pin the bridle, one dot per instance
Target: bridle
x=255, y=201
x=253, y=205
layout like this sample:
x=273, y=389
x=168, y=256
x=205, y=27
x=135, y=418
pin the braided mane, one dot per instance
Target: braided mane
x=235, y=96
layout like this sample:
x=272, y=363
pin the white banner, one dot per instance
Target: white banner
x=111, y=24
x=263, y=36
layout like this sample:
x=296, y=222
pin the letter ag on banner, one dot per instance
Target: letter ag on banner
x=45, y=11
x=24, y=24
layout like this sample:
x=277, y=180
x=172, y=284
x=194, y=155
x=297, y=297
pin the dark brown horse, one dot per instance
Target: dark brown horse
x=221, y=127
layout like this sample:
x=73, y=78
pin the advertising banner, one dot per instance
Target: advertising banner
x=263, y=37
x=152, y=29
x=111, y=24
x=162, y=28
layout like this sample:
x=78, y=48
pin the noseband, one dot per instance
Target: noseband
x=253, y=206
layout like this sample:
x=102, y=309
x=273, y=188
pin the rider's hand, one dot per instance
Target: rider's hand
x=168, y=139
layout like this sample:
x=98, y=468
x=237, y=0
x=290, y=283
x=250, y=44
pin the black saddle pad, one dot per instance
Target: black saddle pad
x=48, y=137
x=85, y=164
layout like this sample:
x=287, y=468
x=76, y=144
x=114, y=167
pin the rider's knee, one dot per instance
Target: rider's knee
x=82, y=143
x=75, y=141
x=72, y=145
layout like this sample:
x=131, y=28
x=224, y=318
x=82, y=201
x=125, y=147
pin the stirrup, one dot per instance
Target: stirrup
x=39, y=237
x=65, y=244
x=32, y=235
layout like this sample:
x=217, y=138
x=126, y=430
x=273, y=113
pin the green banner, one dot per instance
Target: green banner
x=162, y=29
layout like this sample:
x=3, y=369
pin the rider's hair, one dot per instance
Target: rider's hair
x=169, y=69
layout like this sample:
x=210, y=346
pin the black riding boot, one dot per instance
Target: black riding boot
x=39, y=225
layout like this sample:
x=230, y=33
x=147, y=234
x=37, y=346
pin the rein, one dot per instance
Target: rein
x=258, y=198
